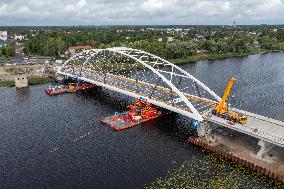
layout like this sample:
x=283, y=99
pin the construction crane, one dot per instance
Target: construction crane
x=222, y=110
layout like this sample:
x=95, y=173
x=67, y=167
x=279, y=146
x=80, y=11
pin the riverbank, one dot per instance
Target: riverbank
x=203, y=57
x=215, y=172
x=33, y=80
x=243, y=149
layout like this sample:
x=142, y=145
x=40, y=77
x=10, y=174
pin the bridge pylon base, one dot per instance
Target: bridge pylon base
x=203, y=129
x=265, y=147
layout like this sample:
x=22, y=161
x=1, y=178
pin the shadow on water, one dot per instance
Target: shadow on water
x=23, y=93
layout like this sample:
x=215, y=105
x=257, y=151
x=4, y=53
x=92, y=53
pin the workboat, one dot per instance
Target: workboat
x=69, y=88
x=56, y=89
x=83, y=86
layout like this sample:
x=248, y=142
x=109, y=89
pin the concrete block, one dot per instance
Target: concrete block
x=21, y=81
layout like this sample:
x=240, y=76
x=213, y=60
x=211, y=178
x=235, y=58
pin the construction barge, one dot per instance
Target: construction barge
x=139, y=112
x=69, y=88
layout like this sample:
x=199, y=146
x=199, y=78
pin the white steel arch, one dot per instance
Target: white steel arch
x=184, y=72
x=149, y=61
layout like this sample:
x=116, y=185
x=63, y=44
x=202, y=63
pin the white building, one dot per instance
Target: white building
x=59, y=62
x=3, y=35
x=19, y=37
x=170, y=39
x=76, y=49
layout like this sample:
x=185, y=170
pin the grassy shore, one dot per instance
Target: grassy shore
x=39, y=80
x=33, y=80
x=7, y=84
x=199, y=57
x=213, y=172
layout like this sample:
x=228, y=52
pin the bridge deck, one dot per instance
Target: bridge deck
x=261, y=127
x=266, y=129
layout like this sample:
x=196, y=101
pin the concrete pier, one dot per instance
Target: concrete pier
x=205, y=128
x=265, y=147
x=202, y=129
x=21, y=80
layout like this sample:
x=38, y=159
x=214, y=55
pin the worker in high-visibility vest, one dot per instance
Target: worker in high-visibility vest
x=137, y=102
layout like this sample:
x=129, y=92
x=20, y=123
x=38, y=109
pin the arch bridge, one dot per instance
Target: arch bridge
x=139, y=74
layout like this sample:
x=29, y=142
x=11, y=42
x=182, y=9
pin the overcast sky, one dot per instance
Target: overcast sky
x=125, y=12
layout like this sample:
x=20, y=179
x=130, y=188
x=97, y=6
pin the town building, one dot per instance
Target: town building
x=3, y=43
x=3, y=35
x=59, y=61
x=76, y=49
x=19, y=37
x=40, y=72
x=170, y=39
x=256, y=44
x=3, y=38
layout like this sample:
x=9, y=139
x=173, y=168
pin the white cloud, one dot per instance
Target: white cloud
x=157, y=5
x=64, y=12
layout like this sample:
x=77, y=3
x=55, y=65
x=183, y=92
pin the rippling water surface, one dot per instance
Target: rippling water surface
x=48, y=141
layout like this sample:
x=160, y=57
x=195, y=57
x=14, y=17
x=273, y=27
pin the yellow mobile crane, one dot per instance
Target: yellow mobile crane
x=222, y=110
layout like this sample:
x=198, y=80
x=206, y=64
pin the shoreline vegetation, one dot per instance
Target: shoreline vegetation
x=32, y=80
x=208, y=57
x=214, y=173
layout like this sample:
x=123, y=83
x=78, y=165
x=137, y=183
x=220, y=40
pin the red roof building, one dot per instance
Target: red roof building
x=76, y=49
x=80, y=47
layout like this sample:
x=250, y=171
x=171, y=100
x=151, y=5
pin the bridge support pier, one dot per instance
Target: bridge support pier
x=265, y=147
x=203, y=129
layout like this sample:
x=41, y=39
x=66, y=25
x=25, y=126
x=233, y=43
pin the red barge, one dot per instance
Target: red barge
x=139, y=112
x=69, y=88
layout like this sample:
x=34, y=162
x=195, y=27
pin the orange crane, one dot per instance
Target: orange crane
x=222, y=110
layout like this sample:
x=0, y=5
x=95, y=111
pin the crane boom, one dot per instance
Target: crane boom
x=222, y=107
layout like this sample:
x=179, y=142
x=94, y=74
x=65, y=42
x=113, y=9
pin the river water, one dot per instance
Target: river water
x=59, y=142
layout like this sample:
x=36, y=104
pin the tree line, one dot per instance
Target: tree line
x=214, y=40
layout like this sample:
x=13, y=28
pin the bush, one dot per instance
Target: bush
x=39, y=80
x=7, y=83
